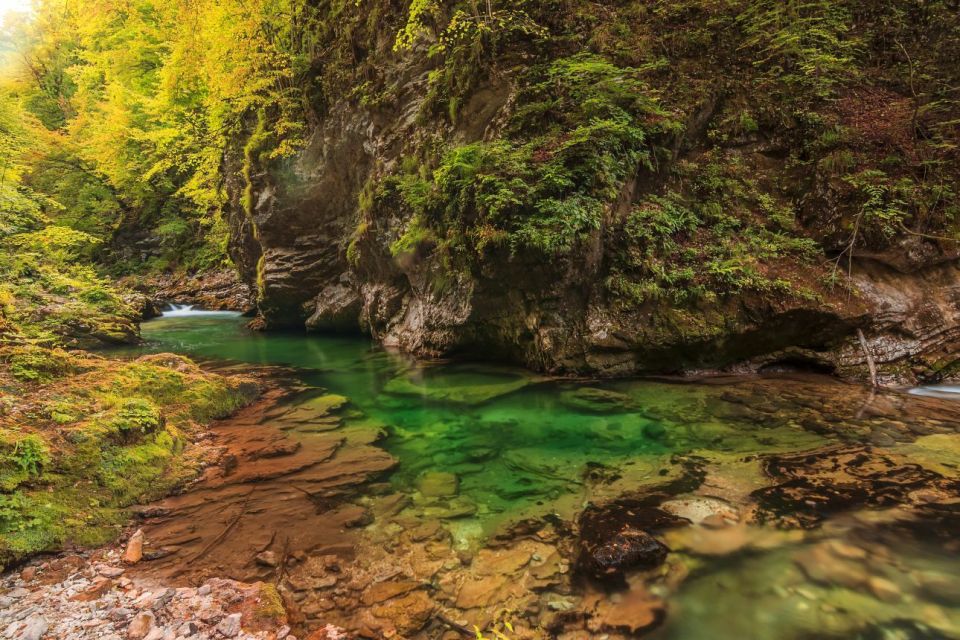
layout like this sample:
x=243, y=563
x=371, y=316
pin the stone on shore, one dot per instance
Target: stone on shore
x=141, y=625
x=134, y=550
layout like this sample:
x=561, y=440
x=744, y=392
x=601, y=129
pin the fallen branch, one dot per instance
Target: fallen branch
x=870, y=363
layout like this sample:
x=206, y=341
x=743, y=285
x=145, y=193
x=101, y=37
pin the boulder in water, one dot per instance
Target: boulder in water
x=617, y=536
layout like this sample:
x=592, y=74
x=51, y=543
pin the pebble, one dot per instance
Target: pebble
x=110, y=572
x=141, y=625
x=34, y=628
x=230, y=626
x=157, y=633
x=267, y=559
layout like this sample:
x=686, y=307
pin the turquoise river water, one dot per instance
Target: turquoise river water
x=809, y=507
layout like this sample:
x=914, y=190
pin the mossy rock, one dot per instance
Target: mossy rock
x=269, y=609
x=111, y=434
x=135, y=418
x=37, y=364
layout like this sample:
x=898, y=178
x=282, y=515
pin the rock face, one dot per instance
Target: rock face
x=296, y=239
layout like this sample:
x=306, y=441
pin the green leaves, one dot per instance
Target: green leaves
x=805, y=42
x=581, y=126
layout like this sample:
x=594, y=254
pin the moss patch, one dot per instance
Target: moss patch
x=76, y=450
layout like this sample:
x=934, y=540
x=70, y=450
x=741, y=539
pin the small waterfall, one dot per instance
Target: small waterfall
x=184, y=310
x=946, y=391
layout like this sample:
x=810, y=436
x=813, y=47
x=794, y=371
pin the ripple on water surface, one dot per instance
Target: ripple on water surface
x=792, y=506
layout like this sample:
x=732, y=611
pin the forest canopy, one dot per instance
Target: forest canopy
x=116, y=117
x=116, y=114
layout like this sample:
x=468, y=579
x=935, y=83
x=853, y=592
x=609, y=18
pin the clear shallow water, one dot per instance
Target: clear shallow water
x=836, y=493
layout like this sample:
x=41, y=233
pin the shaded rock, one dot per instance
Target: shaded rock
x=338, y=308
x=213, y=290
x=940, y=587
x=267, y=559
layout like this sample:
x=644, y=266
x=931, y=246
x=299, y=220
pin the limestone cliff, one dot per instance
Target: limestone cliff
x=613, y=188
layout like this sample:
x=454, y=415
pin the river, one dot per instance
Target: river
x=397, y=498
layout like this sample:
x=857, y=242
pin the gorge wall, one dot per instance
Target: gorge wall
x=610, y=188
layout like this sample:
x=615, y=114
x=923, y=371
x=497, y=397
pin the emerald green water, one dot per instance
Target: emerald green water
x=521, y=445
x=514, y=439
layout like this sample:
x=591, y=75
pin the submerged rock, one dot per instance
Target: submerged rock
x=635, y=613
x=465, y=386
x=596, y=400
x=438, y=484
x=812, y=484
x=616, y=537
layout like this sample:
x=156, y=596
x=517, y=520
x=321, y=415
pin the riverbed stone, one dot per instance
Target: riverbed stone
x=884, y=590
x=438, y=484
x=594, y=400
x=407, y=614
x=616, y=537
x=267, y=559
x=383, y=591
x=939, y=587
